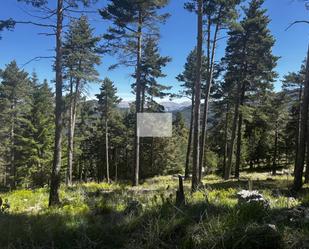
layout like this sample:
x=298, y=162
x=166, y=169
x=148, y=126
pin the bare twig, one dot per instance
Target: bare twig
x=37, y=58
x=36, y=24
x=296, y=22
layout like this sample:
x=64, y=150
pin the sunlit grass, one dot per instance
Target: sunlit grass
x=93, y=215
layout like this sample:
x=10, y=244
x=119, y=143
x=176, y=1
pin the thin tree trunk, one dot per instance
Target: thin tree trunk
x=210, y=71
x=274, y=166
x=299, y=167
x=234, y=127
x=226, y=138
x=307, y=159
x=239, y=135
x=55, y=176
x=187, y=170
x=116, y=165
x=12, y=156
x=72, y=123
x=197, y=99
x=298, y=123
x=138, y=99
x=106, y=150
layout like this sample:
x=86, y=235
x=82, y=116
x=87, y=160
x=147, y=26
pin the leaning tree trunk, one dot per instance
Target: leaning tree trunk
x=138, y=99
x=55, y=176
x=197, y=99
x=299, y=167
x=187, y=170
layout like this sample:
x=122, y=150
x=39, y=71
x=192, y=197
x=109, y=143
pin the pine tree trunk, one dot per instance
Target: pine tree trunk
x=274, y=166
x=307, y=159
x=116, y=165
x=298, y=123
x=138, y=100
x=187, y=170
x=239, y=134
x=234, y=127
x=226, y=138
x=106, y=150
x=72, y=123
x=12, y=149
x=55, y=176
x=210, y=70
x=197, y=99
x=299, y=167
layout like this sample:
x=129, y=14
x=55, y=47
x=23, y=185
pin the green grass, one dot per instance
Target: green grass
x=93, y=215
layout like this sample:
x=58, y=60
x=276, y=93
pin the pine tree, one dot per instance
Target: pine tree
x=35, y=142
x=188, y=77
x=79, y=59
x=250, y=65
x=107, y=103
x=132, y=20
x=14, y=101
x=152, y=64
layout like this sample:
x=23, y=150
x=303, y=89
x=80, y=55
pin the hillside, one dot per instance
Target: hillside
x=109, y=216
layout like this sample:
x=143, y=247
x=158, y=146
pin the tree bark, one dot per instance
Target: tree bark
x=300, y=94
x=12, y=151
x=55, y=176
x=234, y=127
x=210, y=71
x=138, y=99
x=299, y=166
x=226, y=138
x=197, y=99
x=239, y=135
x=106, y=150
x=187, y=170
x=274, y=164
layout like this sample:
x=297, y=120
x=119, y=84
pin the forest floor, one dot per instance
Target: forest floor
x=112, y=216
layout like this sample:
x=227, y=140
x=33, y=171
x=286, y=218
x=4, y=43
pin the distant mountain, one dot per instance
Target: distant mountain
x=169, y=106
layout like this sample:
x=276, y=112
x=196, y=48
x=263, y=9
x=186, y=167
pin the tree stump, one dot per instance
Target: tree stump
x=180, y=195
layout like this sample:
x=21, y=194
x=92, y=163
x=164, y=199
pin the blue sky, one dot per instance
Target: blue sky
x=178, y=38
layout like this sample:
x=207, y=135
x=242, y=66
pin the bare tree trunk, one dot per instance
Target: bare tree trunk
x=12, y=151
x=116, y=165
x=299, y=167
x=274, y=166
x=298, y=123
x=74, y=95
x=138, y=99
x=239, y=135
x=55, y=176
x=106, y=150
x=197, y=99
x=234, y=127
x=226, y=138
x=210, y=70
x=187, y=170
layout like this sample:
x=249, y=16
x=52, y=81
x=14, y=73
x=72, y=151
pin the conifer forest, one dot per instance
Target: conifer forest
x=75, y=171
